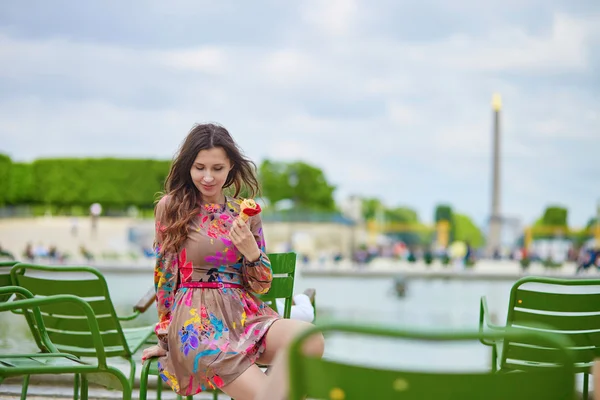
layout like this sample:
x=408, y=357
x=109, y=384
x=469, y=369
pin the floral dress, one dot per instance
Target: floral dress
x=212, y=335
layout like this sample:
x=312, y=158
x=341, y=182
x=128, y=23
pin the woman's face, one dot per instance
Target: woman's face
x=209, y=173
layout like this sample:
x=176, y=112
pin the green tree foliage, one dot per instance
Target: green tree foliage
x=370, y=207
x=5, y=167
x=586, y=233
x=553, y=217
x=408, y=216
x=111, y=182
x=466, y=231
x=402, y=214
x=443, y=212
x=304, y=184
x=274, y=181
x=21, y=184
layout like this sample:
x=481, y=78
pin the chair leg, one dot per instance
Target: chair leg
x=159, y=387
x=586, y=384
x=215, y=395
x=144, y=380
x=24, y=387
x=127, y=388
x=84, y=387
x=76, y=387
x=494, y=359
x=131, y=371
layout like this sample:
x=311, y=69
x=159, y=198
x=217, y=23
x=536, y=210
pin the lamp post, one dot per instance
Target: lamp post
x=494, y=238
x=597, y=232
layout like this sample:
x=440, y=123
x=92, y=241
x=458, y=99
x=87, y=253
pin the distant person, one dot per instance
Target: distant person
x=587, y=258
x=95, y=211
x=74, y=226
x=86, y=253
x=40, y=251
x=28, y=252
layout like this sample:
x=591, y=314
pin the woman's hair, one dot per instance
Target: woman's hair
x=184, y=198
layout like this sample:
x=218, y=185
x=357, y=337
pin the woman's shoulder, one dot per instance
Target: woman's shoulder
x=164, y=200
x=162, y=204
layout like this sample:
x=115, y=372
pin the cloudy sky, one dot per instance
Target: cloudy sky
x=391, y=98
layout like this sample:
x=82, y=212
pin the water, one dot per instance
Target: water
x=437, y=304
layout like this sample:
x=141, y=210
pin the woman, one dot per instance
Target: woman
x=212, y=331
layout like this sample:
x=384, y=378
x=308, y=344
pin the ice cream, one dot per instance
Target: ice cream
x=248, y=208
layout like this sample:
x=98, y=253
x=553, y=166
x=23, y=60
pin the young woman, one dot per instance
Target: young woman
x=212, y=330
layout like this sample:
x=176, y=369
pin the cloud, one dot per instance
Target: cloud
x=397, y=110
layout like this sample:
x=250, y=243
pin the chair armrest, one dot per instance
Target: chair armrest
x=146, y=301
x=142, y=305
x=485, y=319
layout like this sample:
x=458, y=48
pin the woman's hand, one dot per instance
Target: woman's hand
x=151, y=352
x=244, y=241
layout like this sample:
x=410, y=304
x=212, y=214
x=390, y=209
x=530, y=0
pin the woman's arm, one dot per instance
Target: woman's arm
x=165, y=278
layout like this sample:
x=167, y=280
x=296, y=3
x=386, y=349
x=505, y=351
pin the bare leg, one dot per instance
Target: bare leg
x=253, y=384
x=279, y=336
x=596, y=379
x=247, y=385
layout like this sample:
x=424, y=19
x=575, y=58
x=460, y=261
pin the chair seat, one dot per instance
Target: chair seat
x=137, y=337
x=36, y=363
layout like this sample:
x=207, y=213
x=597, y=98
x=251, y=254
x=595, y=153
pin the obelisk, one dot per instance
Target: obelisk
x=495, y=226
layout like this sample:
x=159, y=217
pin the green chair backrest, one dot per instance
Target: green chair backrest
x=25, y=300
x=316, y=378
x=569, y=307
x=5, y=267
x=67, y=326
x=282, y=286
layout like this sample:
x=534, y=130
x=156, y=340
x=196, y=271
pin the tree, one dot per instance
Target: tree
x=20, y=184
x=304, y=184
x=414, y=233
x=586, y=233
x=443, y=212
x=402, y=214
x=553, y=217
x=370, y=207
x=466, y=231
x=5, y=167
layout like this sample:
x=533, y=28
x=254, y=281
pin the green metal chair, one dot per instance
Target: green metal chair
x=318, y=378
x=50, y=360
x=283, y=266
x=5, y=267
x=67, y=327
x=559, y=306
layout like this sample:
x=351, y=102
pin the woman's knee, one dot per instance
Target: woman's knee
x=314, y=345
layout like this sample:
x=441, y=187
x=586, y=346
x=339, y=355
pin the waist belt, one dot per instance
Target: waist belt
x=210, y=285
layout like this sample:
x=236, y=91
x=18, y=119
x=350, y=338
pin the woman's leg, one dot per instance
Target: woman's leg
x=247, y=385
x=596, y=379
x=279, y=336
x=253, y=384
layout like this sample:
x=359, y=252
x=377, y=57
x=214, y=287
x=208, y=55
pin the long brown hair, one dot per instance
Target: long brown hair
x=184, y=198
